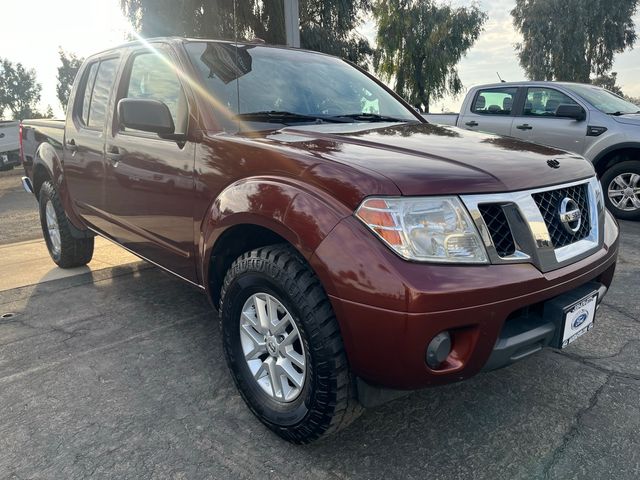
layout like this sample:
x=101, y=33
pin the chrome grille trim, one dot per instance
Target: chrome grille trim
x=529, y=230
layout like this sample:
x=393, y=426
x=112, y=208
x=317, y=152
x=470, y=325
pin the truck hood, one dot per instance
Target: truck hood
x=631, y=119
x=431, y=159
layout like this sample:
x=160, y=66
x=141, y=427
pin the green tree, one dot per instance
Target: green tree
x=325, y=25
x=69, y=66
x=19, y=90
x=420, y=44
x=572, y=39
x=609, y=81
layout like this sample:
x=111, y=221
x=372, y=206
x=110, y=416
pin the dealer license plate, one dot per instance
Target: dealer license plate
x=578, y=318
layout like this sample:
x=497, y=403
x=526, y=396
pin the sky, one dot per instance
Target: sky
x=33, y=30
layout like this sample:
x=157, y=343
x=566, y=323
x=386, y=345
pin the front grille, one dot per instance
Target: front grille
x=549, y=204
x=499, y=229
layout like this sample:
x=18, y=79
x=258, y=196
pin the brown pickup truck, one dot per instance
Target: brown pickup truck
x=352, y=249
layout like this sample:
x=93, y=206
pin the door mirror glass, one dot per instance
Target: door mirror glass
x=146, y=115
x=571, y=111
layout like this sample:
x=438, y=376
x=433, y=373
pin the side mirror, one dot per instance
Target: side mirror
x=571, y=111
x=146, y=115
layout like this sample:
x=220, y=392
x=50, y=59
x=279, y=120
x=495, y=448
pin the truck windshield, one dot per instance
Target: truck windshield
x=604, y=100
x=263, y=84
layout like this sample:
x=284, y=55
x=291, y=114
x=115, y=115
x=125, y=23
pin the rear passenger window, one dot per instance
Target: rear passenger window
x=88, y=89
x=495, y=101
x=543, y=102
x=101, y=92
x=153, y=77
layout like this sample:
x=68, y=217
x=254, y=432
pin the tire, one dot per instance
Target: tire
x=6, y=168
x=325, y=400
x=65, y=250
x=613, y=181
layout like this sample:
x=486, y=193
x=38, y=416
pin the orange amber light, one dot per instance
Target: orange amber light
x=382, y=222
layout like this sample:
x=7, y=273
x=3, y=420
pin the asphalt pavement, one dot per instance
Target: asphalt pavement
x=117, y=372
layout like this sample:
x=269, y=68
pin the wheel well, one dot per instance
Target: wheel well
x=40, y=175
x=233, y=243
x=616, y=156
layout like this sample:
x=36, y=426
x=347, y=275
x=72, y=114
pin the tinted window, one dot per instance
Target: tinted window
x=251, y=78
x=152, y=76
x=495, y=101
x=90, y=77
x=543, y=102
x=101, y=92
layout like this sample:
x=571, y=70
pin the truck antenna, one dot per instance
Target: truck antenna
x=500, y=77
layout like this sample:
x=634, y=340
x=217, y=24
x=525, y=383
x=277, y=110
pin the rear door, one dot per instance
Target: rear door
x=149, y=180
x=85, y=139
x=490, y=111
x=537, y=121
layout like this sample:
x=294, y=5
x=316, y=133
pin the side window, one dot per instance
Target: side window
x=543, y=102
x=101, y=92
x=153, y=77
x=494, y=101
x=89, y=79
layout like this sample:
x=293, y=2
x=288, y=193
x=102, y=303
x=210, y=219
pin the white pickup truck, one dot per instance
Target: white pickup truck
x=9, y=145
x=580, y=118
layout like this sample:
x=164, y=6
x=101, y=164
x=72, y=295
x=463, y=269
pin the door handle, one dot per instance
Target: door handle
x=113, y=154
x=472, y=123
x=524, y=126
x=71, y=145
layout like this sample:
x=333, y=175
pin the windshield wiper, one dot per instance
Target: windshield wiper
x=618, y=113
x=275, y=116
x=369, y=117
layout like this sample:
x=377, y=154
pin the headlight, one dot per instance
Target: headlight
x=427, y=229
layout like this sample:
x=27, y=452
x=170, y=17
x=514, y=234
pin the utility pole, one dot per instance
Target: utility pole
x=292, y=22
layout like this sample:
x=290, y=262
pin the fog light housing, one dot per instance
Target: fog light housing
x=438, y=350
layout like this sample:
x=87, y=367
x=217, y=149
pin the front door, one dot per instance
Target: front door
x=149, y=180
x=538, y=123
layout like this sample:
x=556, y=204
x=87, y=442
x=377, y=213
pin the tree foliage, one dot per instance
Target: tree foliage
x=571, y=40
x=69, y=66
x=420, y=43
x=19, y=90
x=325, y=25
x=609, y=81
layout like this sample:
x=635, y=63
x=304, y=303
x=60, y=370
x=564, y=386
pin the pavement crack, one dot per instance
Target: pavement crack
x=573, y=431
x=621, y=311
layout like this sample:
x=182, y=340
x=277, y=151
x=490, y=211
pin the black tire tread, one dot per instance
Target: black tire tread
x=303, y=286
x=75, y=252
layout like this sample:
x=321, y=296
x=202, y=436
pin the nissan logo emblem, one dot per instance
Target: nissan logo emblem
x=570, y=216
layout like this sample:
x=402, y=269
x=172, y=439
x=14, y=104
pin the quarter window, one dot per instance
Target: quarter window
x=153, y=77
x=495, y=101
x=543, y=102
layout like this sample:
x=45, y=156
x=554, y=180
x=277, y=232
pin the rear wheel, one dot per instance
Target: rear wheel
x=621, y=185
x=65, y=250
x=283, y=345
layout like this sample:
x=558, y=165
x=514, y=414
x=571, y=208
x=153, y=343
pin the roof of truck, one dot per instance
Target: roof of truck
x=529, y=82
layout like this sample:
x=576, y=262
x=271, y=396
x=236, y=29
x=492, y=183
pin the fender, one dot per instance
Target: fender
x=613, y=148
x=46, y=156
x=299, y=213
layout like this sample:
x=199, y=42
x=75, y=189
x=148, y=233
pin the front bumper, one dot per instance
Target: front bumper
x=389, y=309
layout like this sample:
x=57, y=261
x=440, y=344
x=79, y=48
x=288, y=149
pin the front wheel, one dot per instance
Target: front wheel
x=283, y=345
x=65, y=250
x=621, y=185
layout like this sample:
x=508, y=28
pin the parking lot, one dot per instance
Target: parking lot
x=117, y=372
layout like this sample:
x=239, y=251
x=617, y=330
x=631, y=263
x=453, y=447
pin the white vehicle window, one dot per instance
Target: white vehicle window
x=543, y=102
x=494, y=101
